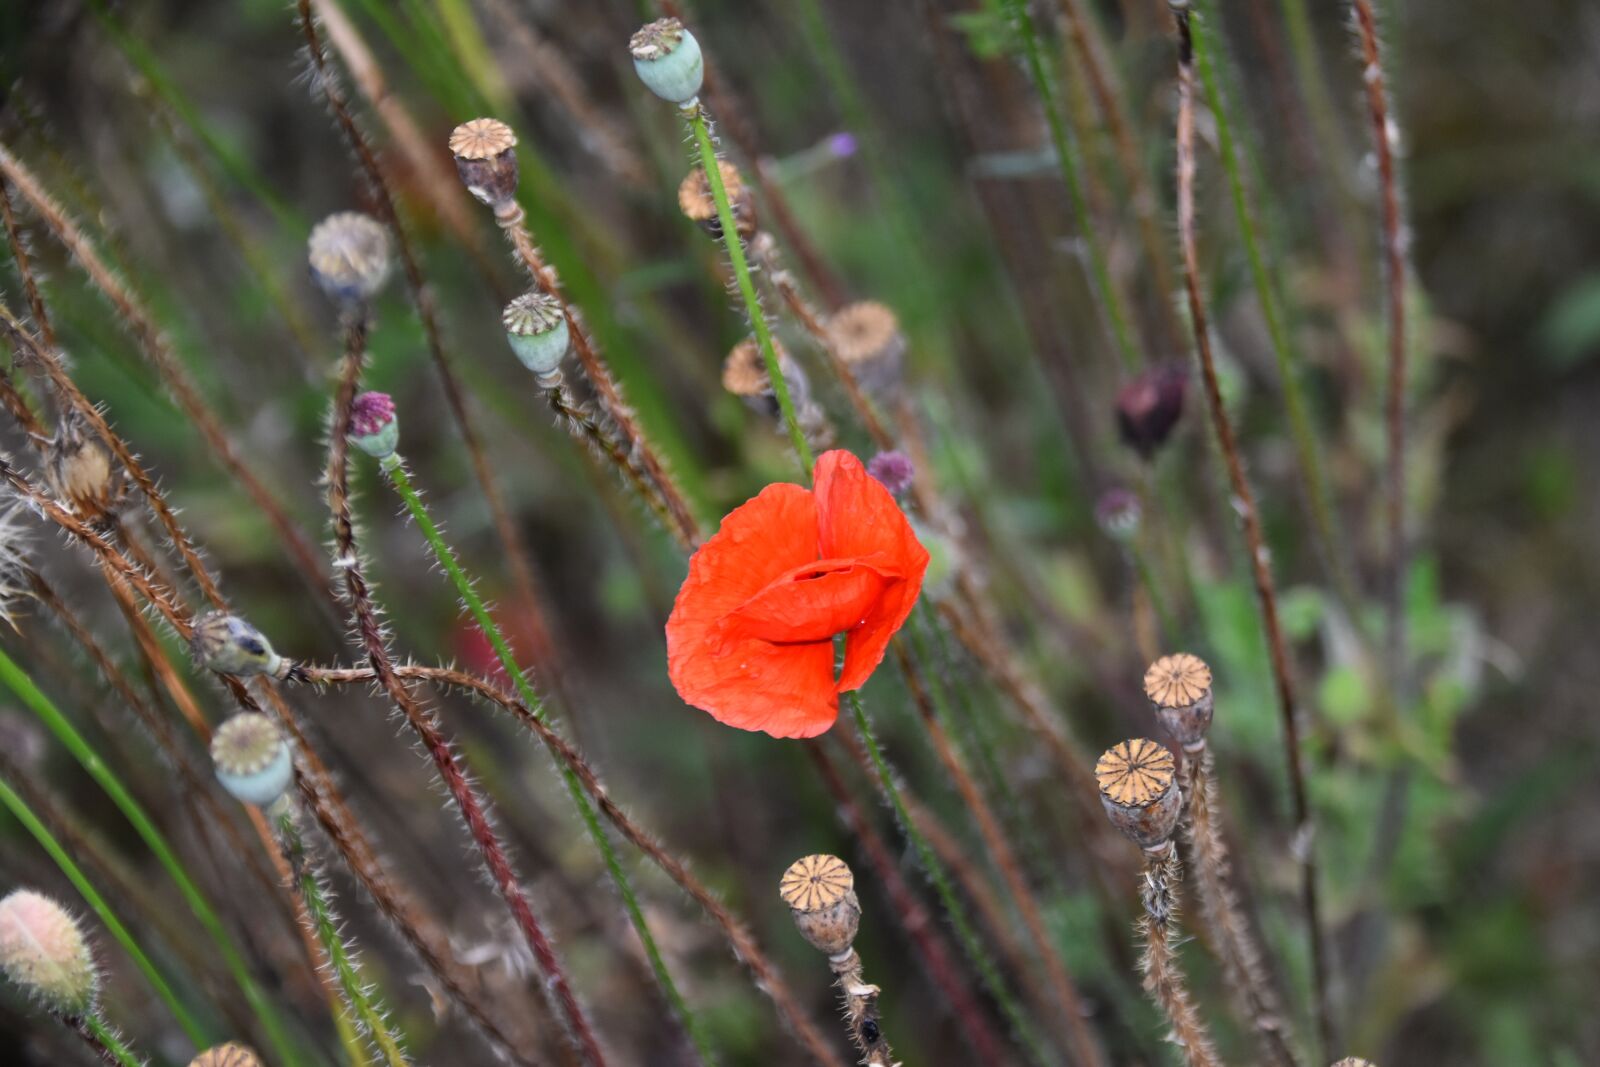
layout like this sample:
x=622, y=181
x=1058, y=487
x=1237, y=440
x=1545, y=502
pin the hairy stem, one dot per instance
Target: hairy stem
x=1163, y=976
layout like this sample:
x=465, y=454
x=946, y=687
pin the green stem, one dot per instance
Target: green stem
x=965, y=933
x=97, y=1029
x=15, y=679
x=1067, y=160
x=360, y=998
x=394, y=467
x=695, y=115
x=91, y=896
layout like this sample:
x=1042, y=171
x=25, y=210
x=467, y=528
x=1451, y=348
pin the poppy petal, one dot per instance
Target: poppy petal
x=783, y=690
x=811, y=603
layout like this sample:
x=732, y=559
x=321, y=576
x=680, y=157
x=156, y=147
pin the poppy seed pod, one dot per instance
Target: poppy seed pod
x=1139, y=790
x=228, y=645
x=699, y=206
x=744, y=374
x=81, y=474
x=1180, y=688
x=1149, y=407
x=821, y=894
x=668, y=61
x=44, y=952
x=232, y=1054
x=536, y=326
x=486, y=159
x=252, y=759
x=373, y=426
x=350, y=257
x=866, y=335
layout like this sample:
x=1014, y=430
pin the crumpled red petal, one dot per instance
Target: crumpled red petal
x=811, y=603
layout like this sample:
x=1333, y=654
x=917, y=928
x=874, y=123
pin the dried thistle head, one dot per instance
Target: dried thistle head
x=821, y=893
x=350, y=257
x=1139, y=791
x=867, y=337
x=82, y=475
x=252, y=759
x=536, y=326
x=232, y=1054
x=228, y=644
x=486, y=158
x=699, y=205
x=373, y=426
x=44, y=952
x=667, y=59
x=1179, y=686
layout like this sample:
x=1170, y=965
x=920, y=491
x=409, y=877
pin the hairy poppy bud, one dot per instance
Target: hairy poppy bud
x=1149, y=407
x=894, y=469
x=252, y=759
x=373, y=426
x=350, y=257
x=668, y=61
x=1180, y=688
x=228, y=645
x=232, y=1054
x=699, y=206
x=537, y=328
x=44, y=952
x=1139, y=790
x=821, y=894
x=1118, y=513
x=81, y=474
x=867, y=337
x=486, y=159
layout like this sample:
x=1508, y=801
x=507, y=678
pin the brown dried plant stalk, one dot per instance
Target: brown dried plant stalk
x=1163, y=977
x=1250, y=522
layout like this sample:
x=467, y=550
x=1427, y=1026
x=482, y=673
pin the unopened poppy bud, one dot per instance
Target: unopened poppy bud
x=81, y=474
x=894, y=469
x=1118, y=513
x=374, y=427
x=1149, y=407
x=232, y=1054
x=1180, y=688
x=252, y=759
x=1139, y=790
x=486, y=159
x=867, y=338
x=744, y=374
x=668, y=61
x=350, y=257
x=821, y=894
x=699, y=206
x=536, y=326
x=228, y=645
x=44, y=952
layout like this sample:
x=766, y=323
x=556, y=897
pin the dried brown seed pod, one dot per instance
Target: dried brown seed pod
x=232, y=1054
x=81, y=474
x=700, y=207
x=1139, y=790
x=744, y=374
x=350, y=257
x=1180, y=688
x=821, y=894
x=486, y=159
x=866, y=335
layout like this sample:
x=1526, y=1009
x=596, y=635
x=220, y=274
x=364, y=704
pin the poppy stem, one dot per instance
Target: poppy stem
x=965, y=933
x=695, y=116
x=394, y=467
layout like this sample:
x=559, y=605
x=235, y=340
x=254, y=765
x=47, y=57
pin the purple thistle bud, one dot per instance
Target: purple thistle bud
x=373, y=426
x=1118, y=513
x=894, y=470
x=1149, y=407
x=842, y=145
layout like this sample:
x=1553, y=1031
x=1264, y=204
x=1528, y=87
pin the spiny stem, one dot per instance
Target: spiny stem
x=1163, y=976
x=695, y=116
x=15, y=679
x=105, y=1042
x=360, y=997
x=970, y=942
x=395, y=468
x=91, y=896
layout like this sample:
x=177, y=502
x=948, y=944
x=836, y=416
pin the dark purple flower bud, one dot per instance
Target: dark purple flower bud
x=894, y=470
x=1149, y=407
x=373, y=426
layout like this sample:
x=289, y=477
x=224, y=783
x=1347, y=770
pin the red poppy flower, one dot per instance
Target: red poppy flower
x=750, y=639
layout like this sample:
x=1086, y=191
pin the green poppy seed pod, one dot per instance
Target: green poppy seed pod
x=536, y=326
x=821, y=894
x=486, y=159
x=668, y=60
x=350, y=257
x=252, y=759
x=1179, y=686
x=1139, y=790
x=232, y=1054
x=373, y=426
x=228, y=645
x=44, y=952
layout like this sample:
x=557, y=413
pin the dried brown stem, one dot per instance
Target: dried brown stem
x=1163, y=976
x=581, y=421
x=860, y=1010
x=30, y=284
x=1254, y=538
